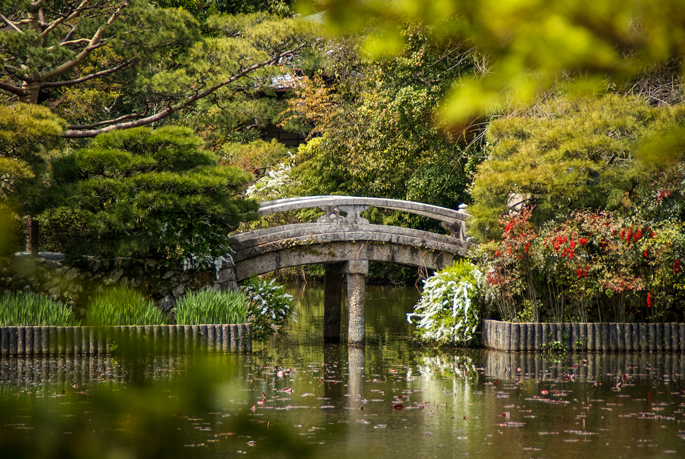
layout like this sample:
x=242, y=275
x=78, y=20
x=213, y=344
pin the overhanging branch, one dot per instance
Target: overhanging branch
x=101, y=73
x=14, y=90
x=84, y=131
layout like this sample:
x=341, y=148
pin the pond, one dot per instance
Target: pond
x=295, y=397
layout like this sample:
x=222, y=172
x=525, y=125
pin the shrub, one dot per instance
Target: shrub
x=123, y=307
x=144, y=193
x=211, y=307
x=447, y=311
x=27, y=308
x=269, y=307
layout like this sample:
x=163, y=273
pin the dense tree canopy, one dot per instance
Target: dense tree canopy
x=564, y=155
x=375, y=130
x=83, y=61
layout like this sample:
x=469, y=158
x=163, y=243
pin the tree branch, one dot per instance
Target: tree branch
x=105, y=123
x=14, y=90
x=93, y=44
x=58, y=84
x=71, y=15
x=11, y=24
x=84, y=131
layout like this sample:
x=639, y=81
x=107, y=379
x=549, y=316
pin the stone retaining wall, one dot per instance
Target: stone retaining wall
x=607, y=337
x=75, y=283
x=34, y=341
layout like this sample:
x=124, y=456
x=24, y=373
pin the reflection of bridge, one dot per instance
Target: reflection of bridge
x=344, y=242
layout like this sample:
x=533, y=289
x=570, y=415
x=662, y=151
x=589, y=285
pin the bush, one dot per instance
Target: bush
x=123, y=307
x=211, y=307
x=447, y=311
x=269, y=307
x=27, y=308
x=144, y=193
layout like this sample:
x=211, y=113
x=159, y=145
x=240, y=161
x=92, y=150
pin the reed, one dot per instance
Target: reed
x=28, y=308
x=211, y=307
x=123, y=307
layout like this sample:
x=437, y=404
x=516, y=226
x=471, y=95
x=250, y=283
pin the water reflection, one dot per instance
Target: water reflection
x=295, y=396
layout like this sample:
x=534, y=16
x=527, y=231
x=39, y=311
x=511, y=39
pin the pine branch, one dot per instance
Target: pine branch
x=99, y=74
x=11, y=24
x=85, y=131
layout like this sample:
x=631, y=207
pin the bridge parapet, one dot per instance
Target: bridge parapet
x=352, y=206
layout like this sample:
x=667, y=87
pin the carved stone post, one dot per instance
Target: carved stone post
x=332, y=301
x=356, y=288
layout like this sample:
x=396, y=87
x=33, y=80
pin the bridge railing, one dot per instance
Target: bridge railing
x=352, y=206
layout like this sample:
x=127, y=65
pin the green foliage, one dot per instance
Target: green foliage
x=566, y=154
x=28, y=308
x=145, y=193
x=529, y=45
x=211, y=307
x=202, y=9
x=121, y=306
x=254, y=157
x=448, y=311
x=11, y=232
x=378, y=134
x=269, y=308
x=29, y=138
x=554, y=347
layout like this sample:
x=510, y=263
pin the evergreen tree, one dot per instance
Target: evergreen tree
x=145, y=193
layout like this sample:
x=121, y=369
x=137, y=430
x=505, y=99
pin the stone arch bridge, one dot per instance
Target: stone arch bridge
x=344, y=242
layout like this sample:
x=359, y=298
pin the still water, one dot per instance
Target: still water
x=295, y=397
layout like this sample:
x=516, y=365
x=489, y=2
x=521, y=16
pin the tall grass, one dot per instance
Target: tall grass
x=123, y=307
x=211, y=307
x=29, y=308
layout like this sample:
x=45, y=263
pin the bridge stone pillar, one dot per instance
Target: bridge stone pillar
x=332, y=301
x=356, y=271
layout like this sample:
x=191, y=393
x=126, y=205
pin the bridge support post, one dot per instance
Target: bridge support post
x=332, y=301
x=356, y=271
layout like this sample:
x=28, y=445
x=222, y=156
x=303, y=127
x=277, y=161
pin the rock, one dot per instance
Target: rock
x=54, y=292
x=178, y=290
x=168, y=274
x=123, y=281
x=114, y=277
x=225, y=275
x=72, y=274
x=167, y=303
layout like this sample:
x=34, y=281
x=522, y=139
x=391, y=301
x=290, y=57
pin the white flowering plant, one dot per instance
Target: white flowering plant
x=448, y=311
x=269, y=307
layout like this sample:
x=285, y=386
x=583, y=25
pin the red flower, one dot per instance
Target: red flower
x=652, y=235
x=645, y=253
x=623, y=233
x=527, y=246
x=649, y=300
x=498, y=253
x=676, y=266
x=637, y=235
x=582, y=241
x=580, y=272
x=628, y=236
x=572, y=244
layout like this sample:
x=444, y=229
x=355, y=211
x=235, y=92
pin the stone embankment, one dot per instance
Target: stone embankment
x=604, y=336
x=154, y=339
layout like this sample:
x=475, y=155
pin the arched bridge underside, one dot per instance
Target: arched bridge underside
x=263, y=251
x=344, y=242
